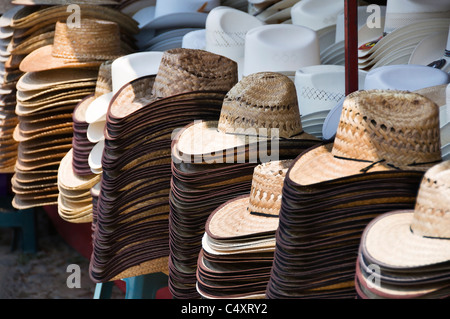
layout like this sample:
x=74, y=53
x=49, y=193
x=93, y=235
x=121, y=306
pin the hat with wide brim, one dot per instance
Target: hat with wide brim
x=414, y=238
x=350, y=155
x=71, y=47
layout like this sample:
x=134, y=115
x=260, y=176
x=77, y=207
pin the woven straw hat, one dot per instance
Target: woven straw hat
x=379, y=130
x=261, y=106
x=88, y=46
x=252, y=214
x=419, y=237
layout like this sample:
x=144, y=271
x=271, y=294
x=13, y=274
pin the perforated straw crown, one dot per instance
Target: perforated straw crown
x=267, y=186
x=264, y=100
x=432, y=209
x=398, y=127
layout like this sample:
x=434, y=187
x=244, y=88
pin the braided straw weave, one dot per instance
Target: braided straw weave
x=432, y=210
x=93, y=40
x=104, y=79
x=187, y=70
x=262, y=100
x=267, y=185
x=399, y=127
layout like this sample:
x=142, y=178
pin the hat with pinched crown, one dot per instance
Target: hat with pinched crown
x=89, y=45
x=252, y=214
x=378, y=130
x=418, y=237
x=262, y=106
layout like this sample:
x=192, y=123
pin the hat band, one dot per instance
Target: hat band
x=264, y=215
x=373, y=163
x=430, y=237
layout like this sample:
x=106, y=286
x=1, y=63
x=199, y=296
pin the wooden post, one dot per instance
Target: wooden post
x=351, y=46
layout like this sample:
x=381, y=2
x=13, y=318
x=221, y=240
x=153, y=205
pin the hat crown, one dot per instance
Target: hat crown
x=267, y=186
x=264, y=103
x=166, y=7
x=432, y=210
x=316, y=14
x=92, y=40
x=398, y=127
x=187, y=70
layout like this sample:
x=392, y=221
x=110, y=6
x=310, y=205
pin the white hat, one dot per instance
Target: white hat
x=433, y=51
x=181, y=13
x=316, y=14
x=400, y=13
x=280, y=47
x=276, y=12
x=123, y=70
x=407, y=77
x=144, y=15
x=194, y=40
x=319, y=88
x=226, y=29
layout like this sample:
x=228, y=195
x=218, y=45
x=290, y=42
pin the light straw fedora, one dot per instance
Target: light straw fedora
x=180, y=13
x=88, y=46
x=370, y=137
x=225, y=32
x=419, y=237
x=194, y=40
x=282, y=47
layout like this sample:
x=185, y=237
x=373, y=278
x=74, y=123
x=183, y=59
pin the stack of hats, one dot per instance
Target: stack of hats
x=9, y=75
x=213, y=162
x=407, y=23
x=239, y=241
x=131, y=231
x=163, y=25
x=57, y=78
x=75, y=177
x=404, y=254
x=385, y=141
x=272, y=11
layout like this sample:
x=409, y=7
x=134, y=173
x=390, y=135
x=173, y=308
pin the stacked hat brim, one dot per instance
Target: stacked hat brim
x=405, y=254
x=239, y=241
x=397, y=46
x=131, y=231
x=45, y=104
x=211, y=167
x=328, y=199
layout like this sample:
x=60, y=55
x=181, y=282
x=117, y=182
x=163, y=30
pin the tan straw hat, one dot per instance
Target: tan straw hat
x=379, y=130
x=252, y=214
x=418, y=237
x=94, y=42
x=262, y=105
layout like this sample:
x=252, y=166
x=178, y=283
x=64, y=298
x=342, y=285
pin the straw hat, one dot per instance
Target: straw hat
x=379, y=130
x=419, y=237
x=180, y=13
x=242, y=120
x=194, y=40
x=88, y=46
x=255, y=213
x=433, y=51
x=281, y=47
x=225, y=31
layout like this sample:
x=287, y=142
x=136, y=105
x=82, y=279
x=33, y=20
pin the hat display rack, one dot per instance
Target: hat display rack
x=243, y=149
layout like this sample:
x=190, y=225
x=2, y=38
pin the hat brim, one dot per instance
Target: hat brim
x=389, y=240
x=42, y=60
x=204, y=139
x=233, y=220
x=178, y=20
x=320, y=165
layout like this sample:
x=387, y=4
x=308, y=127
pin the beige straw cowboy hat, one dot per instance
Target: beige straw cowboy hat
x=379, y=130
x=419, y=237
x=256, y=213
x=88, y=46
x=241, y=120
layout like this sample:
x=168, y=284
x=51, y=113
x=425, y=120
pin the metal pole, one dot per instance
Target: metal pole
x=351, y=46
